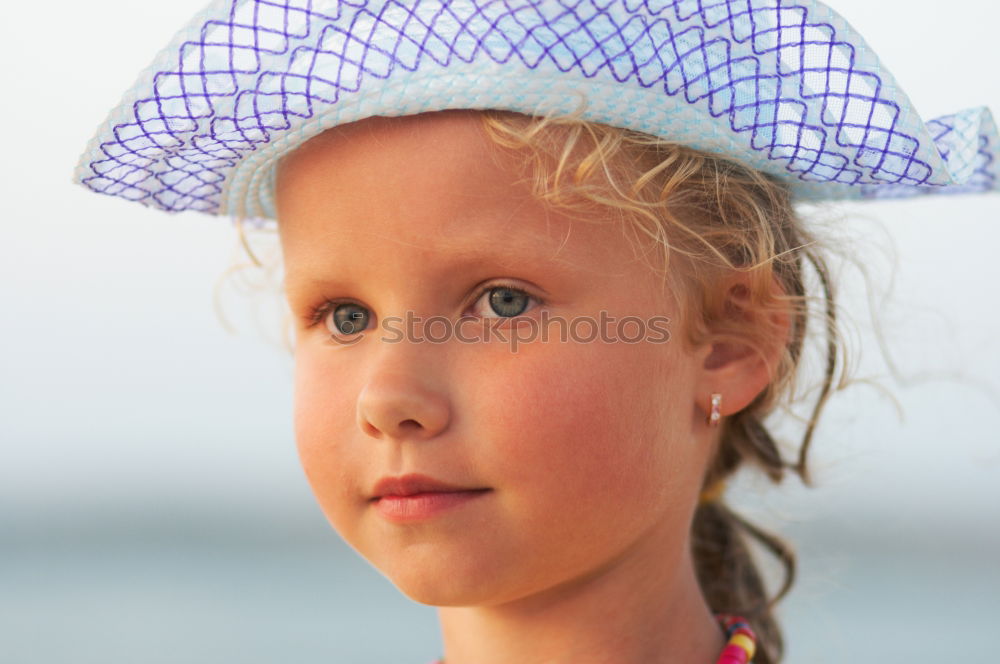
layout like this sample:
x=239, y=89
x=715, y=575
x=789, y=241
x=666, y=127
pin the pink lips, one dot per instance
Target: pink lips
x=414, y=497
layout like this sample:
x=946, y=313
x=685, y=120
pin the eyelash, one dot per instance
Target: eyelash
x=319, y=312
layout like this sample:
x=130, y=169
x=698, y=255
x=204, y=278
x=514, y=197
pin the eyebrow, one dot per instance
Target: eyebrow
x=452, y=260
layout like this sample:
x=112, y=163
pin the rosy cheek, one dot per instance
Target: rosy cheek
x=322, y=420
x=591, y=417
x=553, y=408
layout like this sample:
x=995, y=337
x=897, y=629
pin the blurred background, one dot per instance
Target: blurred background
x=151, y=504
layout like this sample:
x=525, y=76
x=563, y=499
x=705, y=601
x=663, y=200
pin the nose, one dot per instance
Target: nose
x=402, y=402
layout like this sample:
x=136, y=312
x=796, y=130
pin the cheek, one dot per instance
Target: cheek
x=323, y=412
x=590, y=428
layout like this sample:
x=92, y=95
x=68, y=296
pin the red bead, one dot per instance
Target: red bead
x=733, y=654
x=730, y=659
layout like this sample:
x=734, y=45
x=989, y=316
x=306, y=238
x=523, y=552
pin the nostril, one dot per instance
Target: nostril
x=401, y=409
x=405, y=425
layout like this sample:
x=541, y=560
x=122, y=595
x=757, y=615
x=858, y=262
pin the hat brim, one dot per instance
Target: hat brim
x=787, y=88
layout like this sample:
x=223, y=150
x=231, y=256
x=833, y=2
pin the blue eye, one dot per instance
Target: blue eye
x=341, y=317
x=507, y=302
x=349, y=318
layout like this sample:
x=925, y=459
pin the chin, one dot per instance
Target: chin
x=439, y=597
x=428, y=577
x=443, y=590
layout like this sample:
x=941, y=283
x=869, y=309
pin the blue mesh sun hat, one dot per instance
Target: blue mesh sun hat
x=785, y=86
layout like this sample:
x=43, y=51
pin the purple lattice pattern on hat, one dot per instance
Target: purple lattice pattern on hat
x=951, y=134
x=983, y=176
x=201, y=119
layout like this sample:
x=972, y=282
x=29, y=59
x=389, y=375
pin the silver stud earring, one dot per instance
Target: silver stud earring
x=715, y=413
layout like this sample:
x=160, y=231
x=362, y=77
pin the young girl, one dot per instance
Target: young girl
x=547, y=283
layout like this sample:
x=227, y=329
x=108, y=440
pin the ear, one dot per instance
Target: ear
x=739, y=371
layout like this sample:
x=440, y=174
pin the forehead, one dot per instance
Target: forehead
x=429, y=188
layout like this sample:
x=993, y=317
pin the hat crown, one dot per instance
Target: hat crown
x=785, y=87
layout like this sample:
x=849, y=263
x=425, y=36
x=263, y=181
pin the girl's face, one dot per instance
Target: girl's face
x=592, y=450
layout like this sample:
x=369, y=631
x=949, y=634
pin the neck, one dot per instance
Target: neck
x=621, y=614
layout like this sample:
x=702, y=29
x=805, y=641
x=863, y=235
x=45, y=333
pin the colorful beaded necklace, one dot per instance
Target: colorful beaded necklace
x=739, y=649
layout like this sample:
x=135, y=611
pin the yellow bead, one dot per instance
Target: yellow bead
x=745, y=642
